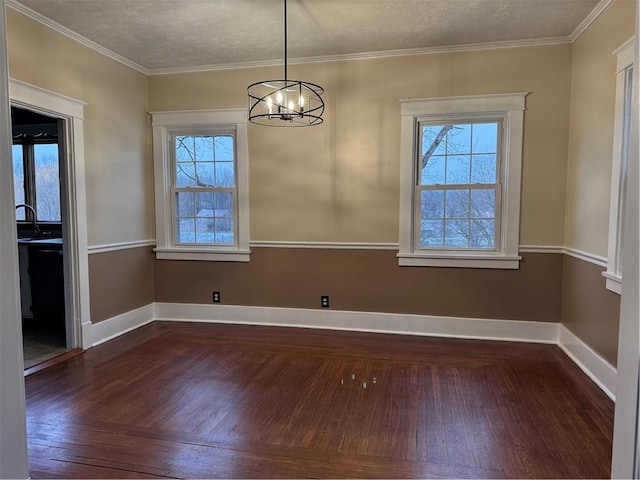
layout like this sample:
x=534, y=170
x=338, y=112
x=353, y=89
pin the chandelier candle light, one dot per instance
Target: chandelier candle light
x=285, y=103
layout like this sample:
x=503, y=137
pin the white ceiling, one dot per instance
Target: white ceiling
x=158, y=35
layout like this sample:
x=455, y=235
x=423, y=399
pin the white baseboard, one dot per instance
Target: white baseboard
x=597, y=368
x=115, y=326
x=393, y=323
x=86, y=336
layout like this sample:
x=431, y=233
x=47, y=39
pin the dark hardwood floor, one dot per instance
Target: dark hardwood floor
x=220, y=401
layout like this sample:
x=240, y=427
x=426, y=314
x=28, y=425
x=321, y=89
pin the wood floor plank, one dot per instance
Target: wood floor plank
x=184, y=400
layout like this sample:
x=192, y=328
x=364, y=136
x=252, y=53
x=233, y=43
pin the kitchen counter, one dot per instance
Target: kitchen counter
x=40, y=241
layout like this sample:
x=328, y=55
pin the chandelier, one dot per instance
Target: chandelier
x=285, y=103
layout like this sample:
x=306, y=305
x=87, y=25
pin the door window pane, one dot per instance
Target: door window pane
x=18, y=179
x=47, y=174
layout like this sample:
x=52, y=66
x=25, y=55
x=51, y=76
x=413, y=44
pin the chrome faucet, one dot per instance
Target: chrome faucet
x=36, y=230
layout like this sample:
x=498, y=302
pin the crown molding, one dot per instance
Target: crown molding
x=589, y=19
x=467, y=47
x=33, y=15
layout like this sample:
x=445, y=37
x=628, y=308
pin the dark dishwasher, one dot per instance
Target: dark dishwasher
x=47, y=284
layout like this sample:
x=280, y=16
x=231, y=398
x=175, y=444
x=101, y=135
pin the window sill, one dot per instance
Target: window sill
x=614, y=282
x=463, y=260
x=202, y=254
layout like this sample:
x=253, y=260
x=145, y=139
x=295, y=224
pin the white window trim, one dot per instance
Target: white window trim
x=625, y=55
x=164, y=123
x=509, y=107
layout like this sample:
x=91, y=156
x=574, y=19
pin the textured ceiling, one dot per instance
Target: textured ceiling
x=163, y=34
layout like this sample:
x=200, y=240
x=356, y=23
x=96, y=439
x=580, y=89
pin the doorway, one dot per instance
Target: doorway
x=69, y=115
x=37, y=147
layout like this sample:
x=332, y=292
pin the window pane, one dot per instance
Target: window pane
x=47, y=175
x=186, y=204
x=482, y=234
x=456, y=233
x=483, y=203
x=432, y=204
x=184, y=149
x=431, y=233
x=185, y=174
x=224, y=148
x=224, y=174
x=224, y=230
x=18, y=179
x=204, y=174
x=204, y=220
x=459, y=139
x=433, y=171
x=203, y=146
x=223, y=204
x=204, y=204
x=457, y=203
x=485, y=137
x=204, y=230
x=458, y=169
x=483, y=169
x=186, y=230
x=433, y=140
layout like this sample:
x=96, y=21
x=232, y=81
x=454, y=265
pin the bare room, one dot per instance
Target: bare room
x=319, y=239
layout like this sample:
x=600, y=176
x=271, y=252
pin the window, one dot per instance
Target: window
x=457, y=185
x=619, y=166
x=204, y=188
x=201, y=183
x=460, y=172
x=36, y=177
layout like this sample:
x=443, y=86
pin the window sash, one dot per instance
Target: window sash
x=174, y=190
x=496, y=187
x=619, y=164
x=624, y=166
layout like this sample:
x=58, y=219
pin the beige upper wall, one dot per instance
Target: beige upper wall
x=591, y=128
x=336, y=182
x=117, y=154
x=339, y=182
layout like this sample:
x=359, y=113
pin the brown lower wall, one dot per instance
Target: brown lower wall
x=547, y=287
x=589, y=310
x=120, y=281
x=367, y=280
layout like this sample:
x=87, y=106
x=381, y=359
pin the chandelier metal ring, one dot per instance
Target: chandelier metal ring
x=285, y=103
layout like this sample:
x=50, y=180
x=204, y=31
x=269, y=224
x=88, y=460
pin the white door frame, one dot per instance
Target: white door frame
x=13, y=431
x=71, y=112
